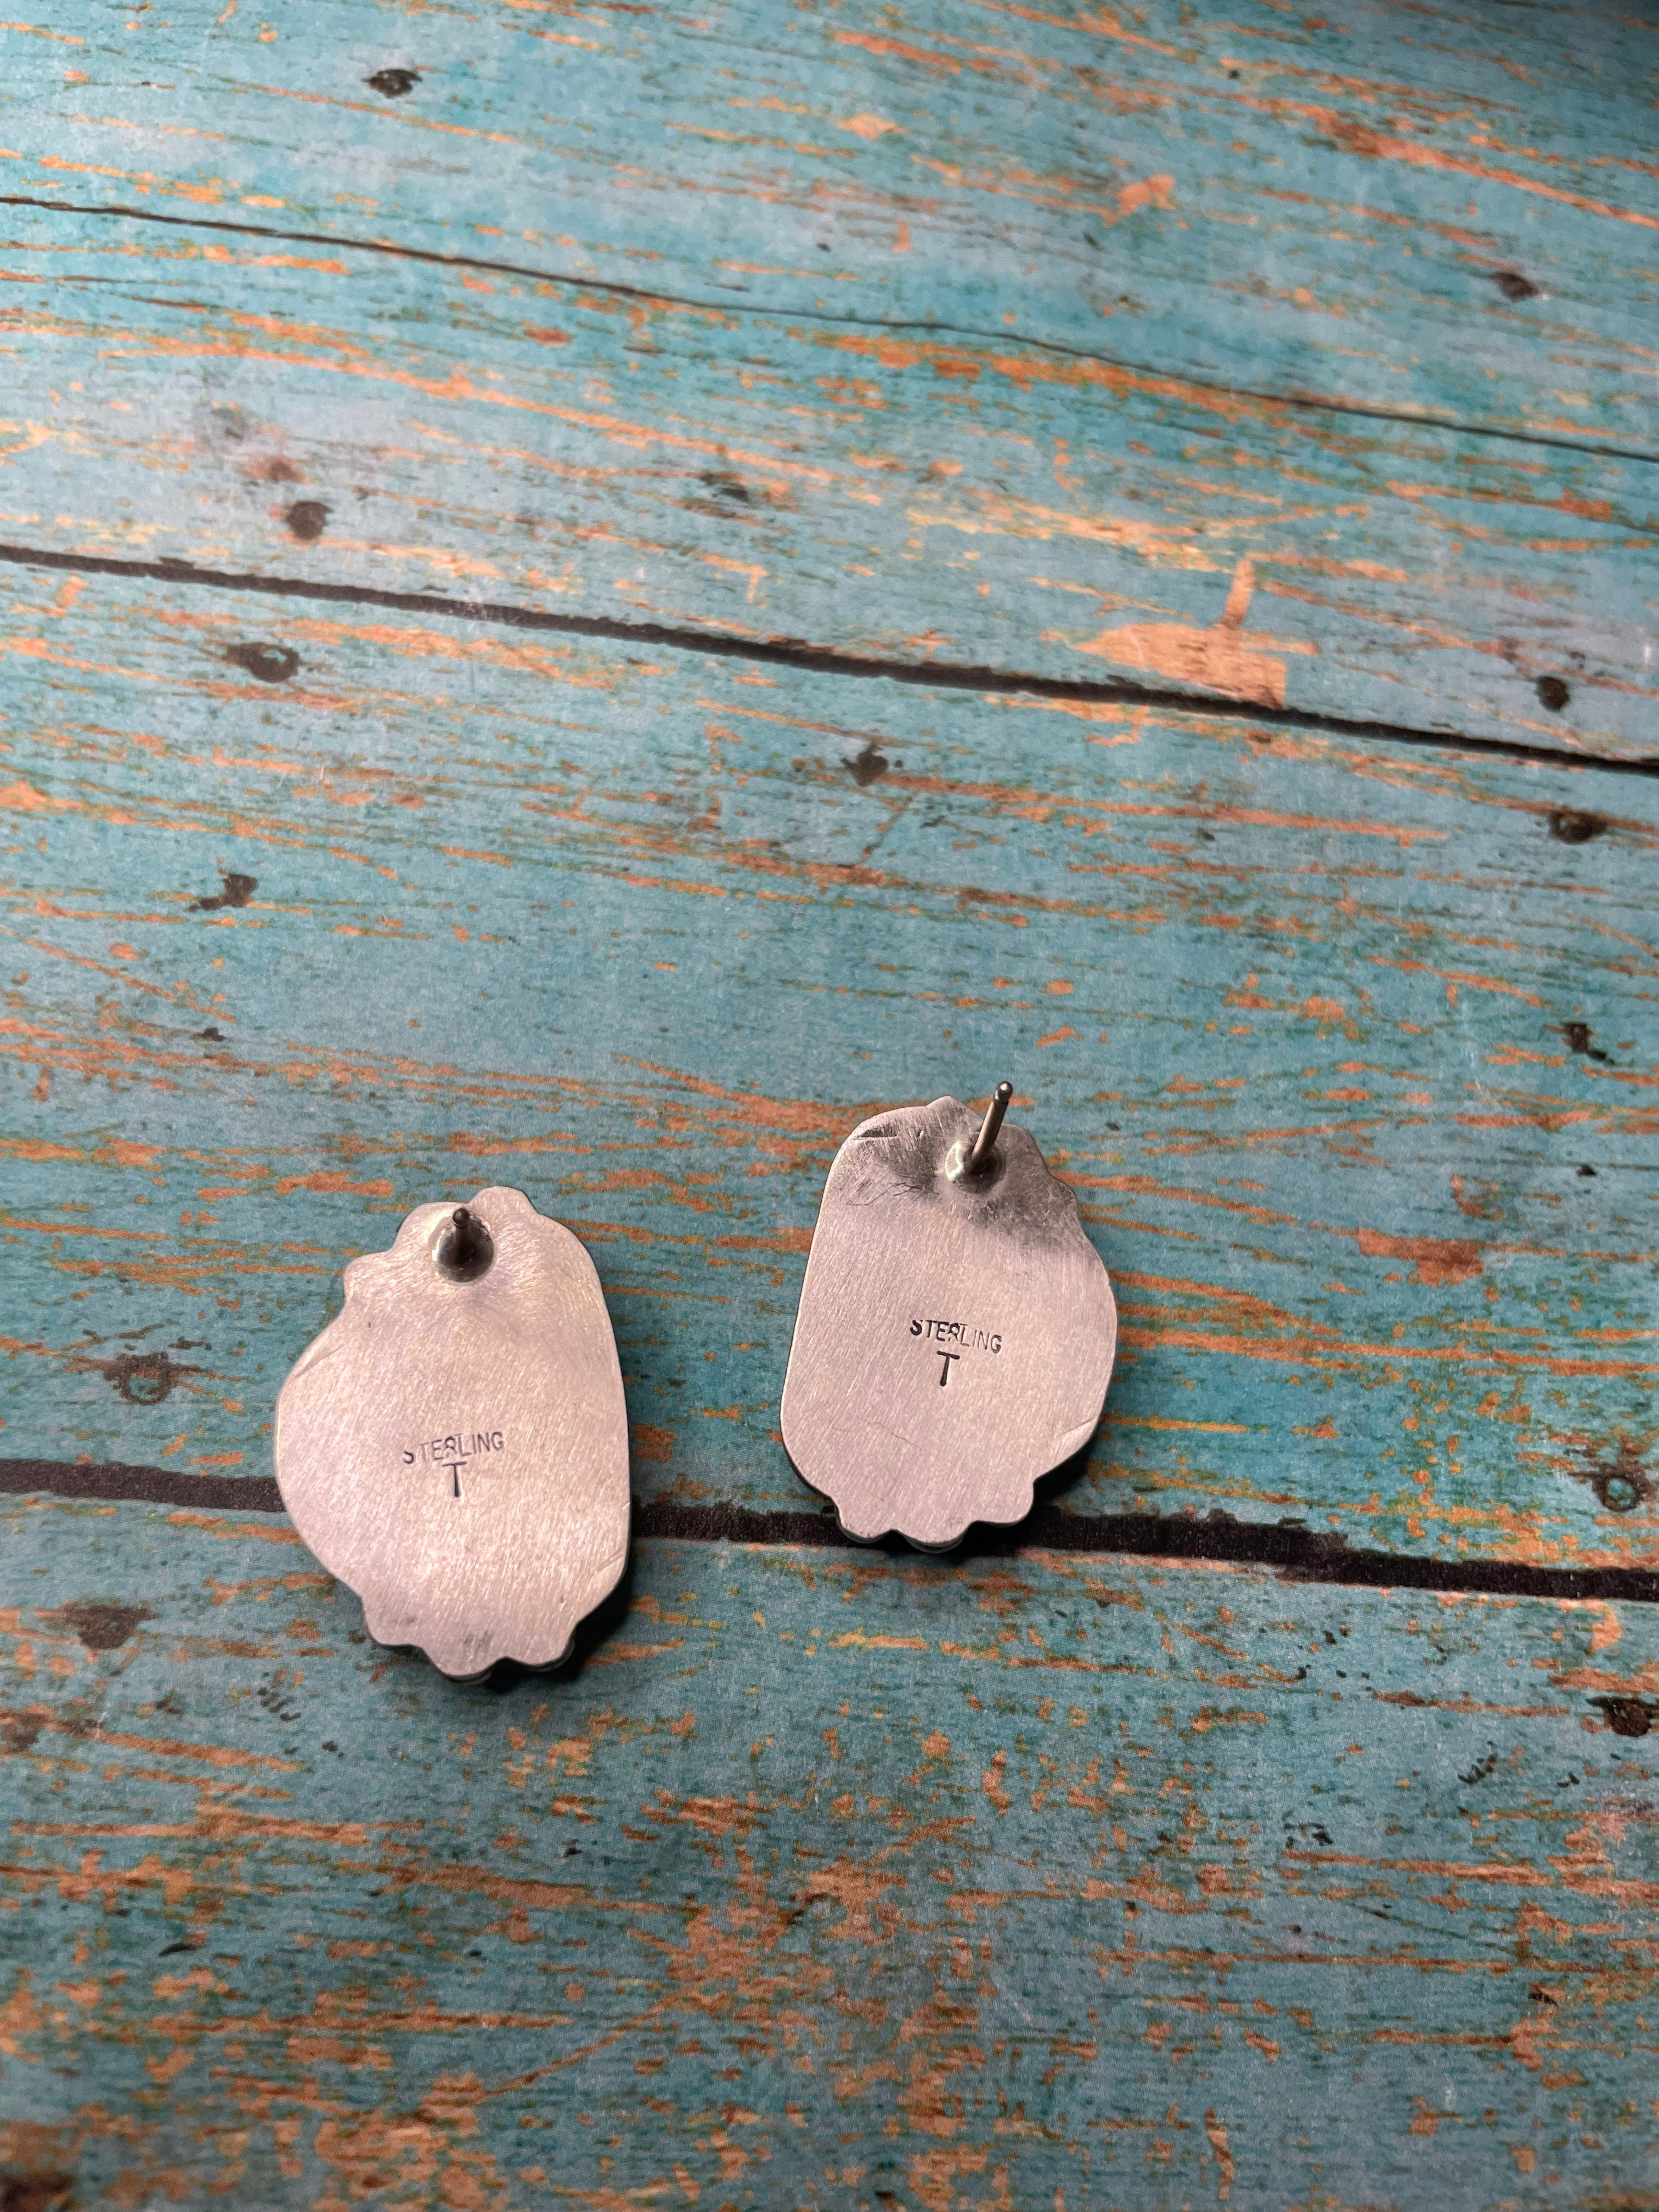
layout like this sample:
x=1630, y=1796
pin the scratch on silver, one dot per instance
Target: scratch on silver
x=955, y=1330
x=454, y=1446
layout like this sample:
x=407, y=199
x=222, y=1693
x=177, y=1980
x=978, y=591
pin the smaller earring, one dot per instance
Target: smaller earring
x=956, y=1329
x=455, y=1445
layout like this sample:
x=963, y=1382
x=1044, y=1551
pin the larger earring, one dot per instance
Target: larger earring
x=454, y=1446
x=956, y=1329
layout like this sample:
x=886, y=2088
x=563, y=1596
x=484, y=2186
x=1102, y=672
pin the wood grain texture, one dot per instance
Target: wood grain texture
x=1348, y=1049
x=368, y=419
x=1453, y=212
x=823, y=1883
x=1305, y=364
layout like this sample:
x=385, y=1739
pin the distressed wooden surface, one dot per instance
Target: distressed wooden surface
x=366, y=419
x=1307, y=364
x=1292, y=203
x=825, y=1883
x=1348, y=1049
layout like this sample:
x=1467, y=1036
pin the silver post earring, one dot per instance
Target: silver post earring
x=454, y=1446
x=956, y=1329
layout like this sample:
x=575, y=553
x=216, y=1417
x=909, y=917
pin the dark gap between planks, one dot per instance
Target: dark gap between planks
x=780, y=653
x=1322, y=402
x=1292, y=1551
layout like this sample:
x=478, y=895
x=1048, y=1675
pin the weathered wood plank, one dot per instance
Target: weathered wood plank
x=1453, y=215
x=825, y=1882
x=365, y=419
x=1348, y=1049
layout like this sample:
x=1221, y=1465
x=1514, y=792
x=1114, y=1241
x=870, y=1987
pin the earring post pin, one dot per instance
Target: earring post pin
x=986, y=1143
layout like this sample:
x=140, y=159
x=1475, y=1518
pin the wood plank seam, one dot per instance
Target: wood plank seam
x=610, y=456
x=1312, y=402
x=775, y=653
x=1290, y=1548
x=1169, y=182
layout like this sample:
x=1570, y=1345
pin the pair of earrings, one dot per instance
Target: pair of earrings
x=454, y=1446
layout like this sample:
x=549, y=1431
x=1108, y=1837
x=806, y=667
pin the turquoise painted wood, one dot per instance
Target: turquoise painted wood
x=1297, y=363
x=1455, y=214
x=1348, y=1049
x=362, y=418
x=825, y=1882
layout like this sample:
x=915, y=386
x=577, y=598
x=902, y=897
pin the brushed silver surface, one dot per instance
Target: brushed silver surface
x=456, y=1452
x=955, y=1334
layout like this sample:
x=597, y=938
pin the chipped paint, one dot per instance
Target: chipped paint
x=1277, y=1153
x=828, y=1871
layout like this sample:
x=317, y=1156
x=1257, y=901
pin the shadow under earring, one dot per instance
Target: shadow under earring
x=955, y=1330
